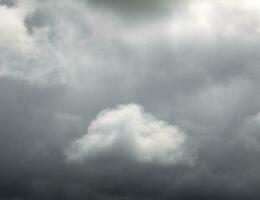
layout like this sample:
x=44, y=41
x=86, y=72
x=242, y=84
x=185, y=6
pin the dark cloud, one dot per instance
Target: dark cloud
x=136, y=10
x=194, y=69
x=8, y=3
x=38, y=19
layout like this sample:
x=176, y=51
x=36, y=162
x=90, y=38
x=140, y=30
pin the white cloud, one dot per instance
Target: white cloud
x=13, y=33
x=206, y=23
x=129, y=132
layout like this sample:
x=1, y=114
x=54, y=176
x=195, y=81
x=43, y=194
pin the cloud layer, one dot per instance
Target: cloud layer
x=193, y=64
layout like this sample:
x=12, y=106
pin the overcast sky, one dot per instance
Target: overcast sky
x=129, y=99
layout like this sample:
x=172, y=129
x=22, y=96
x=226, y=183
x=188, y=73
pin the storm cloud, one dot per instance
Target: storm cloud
x=129, y=99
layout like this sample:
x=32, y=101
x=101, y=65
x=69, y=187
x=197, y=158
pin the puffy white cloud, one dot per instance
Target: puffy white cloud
x=128, y=131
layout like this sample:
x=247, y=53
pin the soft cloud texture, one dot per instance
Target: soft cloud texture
x=13, y=32
x=193, y=64
x=129, y=132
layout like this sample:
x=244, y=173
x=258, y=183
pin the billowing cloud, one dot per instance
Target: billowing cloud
x=128, y=132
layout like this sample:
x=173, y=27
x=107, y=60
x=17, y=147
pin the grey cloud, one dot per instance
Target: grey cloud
x=8, y=3
x=137, y=10
x=38, y=18
x=64, y=62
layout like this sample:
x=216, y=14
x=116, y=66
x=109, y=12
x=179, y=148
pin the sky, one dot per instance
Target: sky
x=129, y=99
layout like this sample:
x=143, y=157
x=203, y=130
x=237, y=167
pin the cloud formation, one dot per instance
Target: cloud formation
x=193, y=64
x=128, y=132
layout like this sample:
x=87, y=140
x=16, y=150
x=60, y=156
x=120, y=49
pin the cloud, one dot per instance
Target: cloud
x=193, y=64
x=13, y=34
x=130, y=133
x=8, y=3
x=136, y=10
